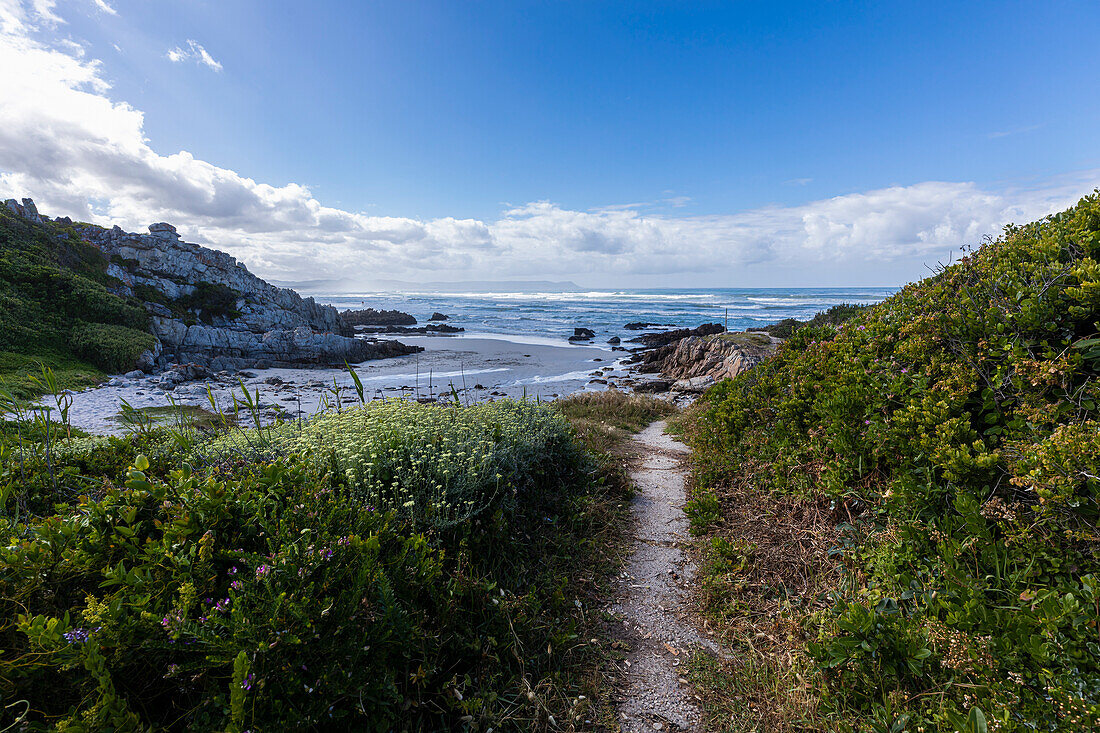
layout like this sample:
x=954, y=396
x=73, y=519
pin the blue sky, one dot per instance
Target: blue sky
x=673, y=143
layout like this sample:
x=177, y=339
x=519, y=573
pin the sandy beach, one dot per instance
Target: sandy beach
x=479, y=366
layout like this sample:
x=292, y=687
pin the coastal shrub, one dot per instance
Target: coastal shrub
x=301, y=589
x=112, y=348
x=954, y=428
x=832, y=316
x=209, y=301
x=50, y=283
x=436, y=465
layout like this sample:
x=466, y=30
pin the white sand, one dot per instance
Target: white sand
x=476, y=364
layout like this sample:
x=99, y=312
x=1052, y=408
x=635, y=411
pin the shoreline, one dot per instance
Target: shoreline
x=481, y=367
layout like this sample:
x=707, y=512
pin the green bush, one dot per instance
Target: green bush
x=957, y=422
x=210, y=301
x=52, y=283
x=112, y=348
x=290, y=594
x=833, y=316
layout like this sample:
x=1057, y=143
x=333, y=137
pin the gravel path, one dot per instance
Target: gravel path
x=652, y=599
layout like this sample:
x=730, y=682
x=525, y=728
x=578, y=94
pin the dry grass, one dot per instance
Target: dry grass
x=606, y=420
x=764, y=565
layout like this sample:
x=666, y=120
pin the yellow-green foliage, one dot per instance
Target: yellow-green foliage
x=437, y=464
x=55, y=301
x=115, y=348
x=958, y=421
x=303, y=592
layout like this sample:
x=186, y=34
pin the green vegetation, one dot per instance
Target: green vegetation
x=178, y=416
x=603, y=420
x=746, y=338
x=833, y=316
x=388, y=566
x=206, y=302
x=55, y=305
x=115, y=348
x=18, y=372
x=210, y=301
x=907, y=536
x=57, y=308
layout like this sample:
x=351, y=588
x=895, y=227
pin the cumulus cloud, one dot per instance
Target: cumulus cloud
x=78, y=151
x=194, y=52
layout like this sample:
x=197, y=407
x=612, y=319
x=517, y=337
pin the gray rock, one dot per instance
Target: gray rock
x=693, y=384
x=654, y=385
x=275, y=326
x=135, y=374
x=26, y=210
x=146, y=362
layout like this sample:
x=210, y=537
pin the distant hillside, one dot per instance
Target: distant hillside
x=85, y=297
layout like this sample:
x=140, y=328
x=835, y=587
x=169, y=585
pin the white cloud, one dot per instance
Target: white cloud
x=104, y=7
x=68, y=144
x=194, y=52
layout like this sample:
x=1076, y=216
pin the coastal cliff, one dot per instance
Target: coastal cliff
x=204, y=307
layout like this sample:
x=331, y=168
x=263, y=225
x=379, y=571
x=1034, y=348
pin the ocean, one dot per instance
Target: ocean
x=515, y=345
x=551, y=317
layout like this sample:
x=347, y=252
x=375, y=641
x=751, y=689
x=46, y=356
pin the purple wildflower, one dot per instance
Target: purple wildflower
x=79, y=635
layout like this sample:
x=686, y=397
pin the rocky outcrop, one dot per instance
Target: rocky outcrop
x=696, y=362
x=224, y=348
x=371, y=317
x=668, y=337
x=431, y=328
x=27, y=210
x=437, y=316
x=208, y=309
x=173, y=267
x=582, y=334
x=642, y=325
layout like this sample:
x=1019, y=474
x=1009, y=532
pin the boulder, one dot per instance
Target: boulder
x=614, y=341
x=437, y=316
x=693, y=384
x=653, y=386
x=582, y=334
x=164, y=230
x=146, y=362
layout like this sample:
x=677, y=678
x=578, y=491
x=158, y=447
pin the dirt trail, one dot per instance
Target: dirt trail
x=652, y=594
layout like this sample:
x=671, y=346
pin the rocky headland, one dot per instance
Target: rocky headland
x=372, y=317
x=205, y=308
x=699, y=357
